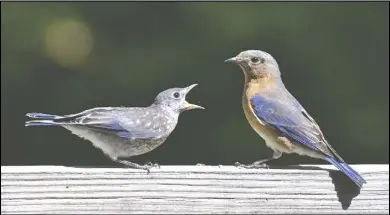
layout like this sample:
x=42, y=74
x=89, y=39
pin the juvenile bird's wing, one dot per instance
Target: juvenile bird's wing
x=130, y=123
x=286, y=115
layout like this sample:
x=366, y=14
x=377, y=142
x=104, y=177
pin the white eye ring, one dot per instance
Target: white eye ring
x=255, y=59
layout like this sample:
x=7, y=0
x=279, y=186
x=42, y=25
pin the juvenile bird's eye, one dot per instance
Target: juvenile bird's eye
x=255, y=59
x=176, y=95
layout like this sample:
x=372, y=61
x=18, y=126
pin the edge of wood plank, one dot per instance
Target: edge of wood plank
x=190, y=168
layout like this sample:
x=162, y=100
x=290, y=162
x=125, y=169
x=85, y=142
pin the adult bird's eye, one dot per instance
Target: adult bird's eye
x=255, y=59
x=176, y=95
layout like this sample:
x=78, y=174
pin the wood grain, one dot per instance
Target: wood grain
x=192, y=189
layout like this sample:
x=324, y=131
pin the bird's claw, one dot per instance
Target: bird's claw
x=144, y=167
x=151, y=165
x=147, y=170
x=254, y=165
x=238, y=164
x=133, y=165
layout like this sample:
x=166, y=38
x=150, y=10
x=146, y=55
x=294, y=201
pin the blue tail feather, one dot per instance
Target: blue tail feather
x=42, y=116
x=40, y=123
x=347, y=170
x=44, y=119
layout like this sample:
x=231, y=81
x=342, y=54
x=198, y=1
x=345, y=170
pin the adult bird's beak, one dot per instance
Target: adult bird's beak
x=231, y=60
x=189, y=106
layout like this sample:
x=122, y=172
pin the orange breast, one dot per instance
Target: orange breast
x=252, y=87
x=266, y=132
x=262, y=130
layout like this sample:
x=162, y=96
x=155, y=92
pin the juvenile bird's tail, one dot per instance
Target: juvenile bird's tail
x=43, y=119
x=347, y=170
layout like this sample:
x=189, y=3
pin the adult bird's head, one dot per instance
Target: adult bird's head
x=175, y=99
x=256, y=64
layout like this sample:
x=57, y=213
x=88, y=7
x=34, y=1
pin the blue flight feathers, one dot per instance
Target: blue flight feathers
x=111, y=125
x=290, y=122
x=287, y=119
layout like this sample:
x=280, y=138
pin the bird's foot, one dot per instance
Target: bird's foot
x=151, y=165
x=134, y=165
x=145, y=167
x=254, y=165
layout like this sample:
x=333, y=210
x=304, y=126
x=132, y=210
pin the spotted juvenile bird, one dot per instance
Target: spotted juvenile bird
x=279, y=118
x=123, y=132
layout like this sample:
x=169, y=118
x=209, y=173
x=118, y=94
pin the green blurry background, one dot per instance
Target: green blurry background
x=63, y=58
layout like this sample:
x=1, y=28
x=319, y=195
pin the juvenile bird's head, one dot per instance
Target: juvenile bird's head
x=256, y=64
x=175, y=99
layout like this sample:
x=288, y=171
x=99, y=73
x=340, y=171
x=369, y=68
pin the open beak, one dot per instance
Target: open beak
x=189, y=106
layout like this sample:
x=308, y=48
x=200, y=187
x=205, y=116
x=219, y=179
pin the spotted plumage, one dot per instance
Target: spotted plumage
x=123, y=132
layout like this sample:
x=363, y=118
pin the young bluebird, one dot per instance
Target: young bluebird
x=123, y=132
x=279, y=118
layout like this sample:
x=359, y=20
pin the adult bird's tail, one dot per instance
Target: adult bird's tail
x=347, y=170
x=42, y=119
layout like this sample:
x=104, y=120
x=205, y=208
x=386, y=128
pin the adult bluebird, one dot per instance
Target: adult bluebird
x=123, y=132
x=279, y=118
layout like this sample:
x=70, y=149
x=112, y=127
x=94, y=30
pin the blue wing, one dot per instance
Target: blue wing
x=110, y=120
x=110, y=125
x=285, y=114
x=289, y=120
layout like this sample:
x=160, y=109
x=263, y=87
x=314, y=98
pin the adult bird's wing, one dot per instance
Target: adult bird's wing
x=284, y=113
x=118, y=121
x=307, y=115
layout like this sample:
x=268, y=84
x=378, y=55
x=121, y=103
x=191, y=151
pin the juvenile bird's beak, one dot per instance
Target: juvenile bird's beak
x=231, y=60
x=189, y=106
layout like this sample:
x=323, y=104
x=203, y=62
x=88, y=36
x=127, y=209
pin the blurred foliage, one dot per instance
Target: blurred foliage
x=66, y=57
